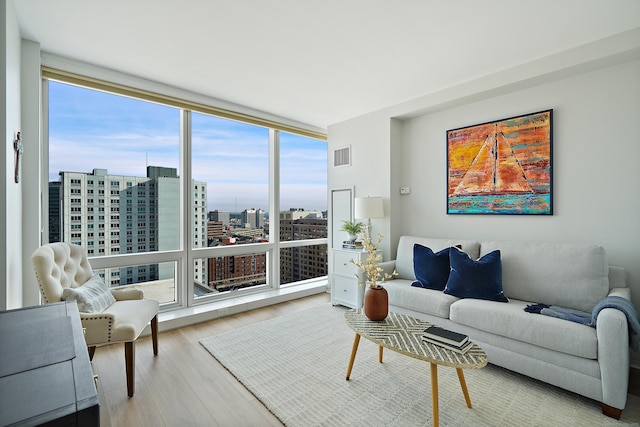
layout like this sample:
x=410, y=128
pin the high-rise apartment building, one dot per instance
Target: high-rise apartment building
x=215, y=231
x=252, y=218
x=304, y=262
x=297, y=263
x=237, y=271
x=54, y=211
x=222, y=216
x=116, y=214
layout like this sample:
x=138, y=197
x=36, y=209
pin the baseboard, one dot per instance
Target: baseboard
x=634, y=381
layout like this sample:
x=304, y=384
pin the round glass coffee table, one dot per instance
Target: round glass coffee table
x=403, y=334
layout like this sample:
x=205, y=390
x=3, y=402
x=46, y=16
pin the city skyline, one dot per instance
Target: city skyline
x=125, y=135
x=119, y=215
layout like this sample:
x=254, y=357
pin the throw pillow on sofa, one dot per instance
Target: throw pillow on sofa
x=480, y=279
x=431, y=269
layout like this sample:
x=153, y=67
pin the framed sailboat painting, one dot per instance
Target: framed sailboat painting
x=502, y=167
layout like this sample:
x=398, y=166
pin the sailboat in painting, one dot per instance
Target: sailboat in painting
x=495, y=170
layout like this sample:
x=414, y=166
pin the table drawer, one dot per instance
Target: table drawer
x=345, y=291
x=342, y=264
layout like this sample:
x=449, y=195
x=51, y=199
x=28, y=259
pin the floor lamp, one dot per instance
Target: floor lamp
x=367, y=208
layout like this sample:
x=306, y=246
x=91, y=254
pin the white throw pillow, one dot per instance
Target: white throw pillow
x=92, y=297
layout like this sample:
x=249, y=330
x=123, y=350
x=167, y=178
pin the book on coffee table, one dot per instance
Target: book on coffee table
x=445, y=336
x=457, y=348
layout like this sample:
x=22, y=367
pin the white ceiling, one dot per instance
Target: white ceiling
x=317, y=62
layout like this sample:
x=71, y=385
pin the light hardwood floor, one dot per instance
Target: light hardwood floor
x=184, y=385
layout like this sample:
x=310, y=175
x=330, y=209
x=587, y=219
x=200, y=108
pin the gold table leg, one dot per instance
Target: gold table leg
x=356, y=341
x=463, y=385
x=380, y=354
x=434, y=394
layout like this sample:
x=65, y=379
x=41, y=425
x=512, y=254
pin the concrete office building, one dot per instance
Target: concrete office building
x=252, y=218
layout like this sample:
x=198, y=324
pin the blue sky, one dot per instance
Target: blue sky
x=90, y=129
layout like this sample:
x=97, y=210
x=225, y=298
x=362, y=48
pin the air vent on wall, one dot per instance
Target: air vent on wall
x=342, y=157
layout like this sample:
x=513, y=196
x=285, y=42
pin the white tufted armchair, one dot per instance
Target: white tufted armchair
x=61, y=266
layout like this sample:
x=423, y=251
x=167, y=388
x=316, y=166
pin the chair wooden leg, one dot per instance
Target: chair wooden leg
x=92, y=351
x=130, y=362
x=154, y=334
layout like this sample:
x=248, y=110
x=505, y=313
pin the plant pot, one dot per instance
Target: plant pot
x=353, y=237
x=376, y=303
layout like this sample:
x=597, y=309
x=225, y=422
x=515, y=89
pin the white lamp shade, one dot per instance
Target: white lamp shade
x=368, y=207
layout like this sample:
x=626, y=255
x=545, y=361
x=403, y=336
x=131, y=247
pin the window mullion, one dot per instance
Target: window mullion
x=44, y=165
x=274, y=208
x=185, y=281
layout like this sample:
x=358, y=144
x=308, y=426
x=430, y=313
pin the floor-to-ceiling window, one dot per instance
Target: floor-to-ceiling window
x=182, y=202
x=303, y=209
x=232, y=158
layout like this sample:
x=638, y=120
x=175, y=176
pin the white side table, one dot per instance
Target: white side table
x=345, y=289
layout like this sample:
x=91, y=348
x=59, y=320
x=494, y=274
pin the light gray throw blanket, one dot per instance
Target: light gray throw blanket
x=618, y=303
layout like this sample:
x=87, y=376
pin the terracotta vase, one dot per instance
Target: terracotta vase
x=376, y=303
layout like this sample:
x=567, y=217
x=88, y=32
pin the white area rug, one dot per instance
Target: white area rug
x=296, y=366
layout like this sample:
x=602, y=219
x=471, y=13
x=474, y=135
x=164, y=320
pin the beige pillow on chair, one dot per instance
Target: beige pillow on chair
x=92, y=297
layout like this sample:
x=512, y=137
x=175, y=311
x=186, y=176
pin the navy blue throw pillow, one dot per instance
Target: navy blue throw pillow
x=431, y=269
x=481, y=279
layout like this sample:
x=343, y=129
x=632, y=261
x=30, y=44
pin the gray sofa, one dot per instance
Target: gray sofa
x=593, y=362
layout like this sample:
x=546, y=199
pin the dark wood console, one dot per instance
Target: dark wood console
x=45, y=373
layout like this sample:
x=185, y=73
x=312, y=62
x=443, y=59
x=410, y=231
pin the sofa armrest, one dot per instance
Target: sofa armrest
x=388, y=267
x=613, y=356
x=127, y=294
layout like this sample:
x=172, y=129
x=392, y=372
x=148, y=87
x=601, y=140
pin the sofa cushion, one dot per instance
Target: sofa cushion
x=431, y=269
x=404, y=255
x=481, y=279
x=567, y=275
x=429, y=301
x=92, y=297
x=511, y=321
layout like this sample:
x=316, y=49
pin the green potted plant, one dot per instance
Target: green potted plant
x=353, y=228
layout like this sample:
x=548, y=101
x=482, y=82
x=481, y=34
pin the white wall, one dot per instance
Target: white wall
x=596, y=149
x=10, y=192
x=369, y=137
x=31, y=167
